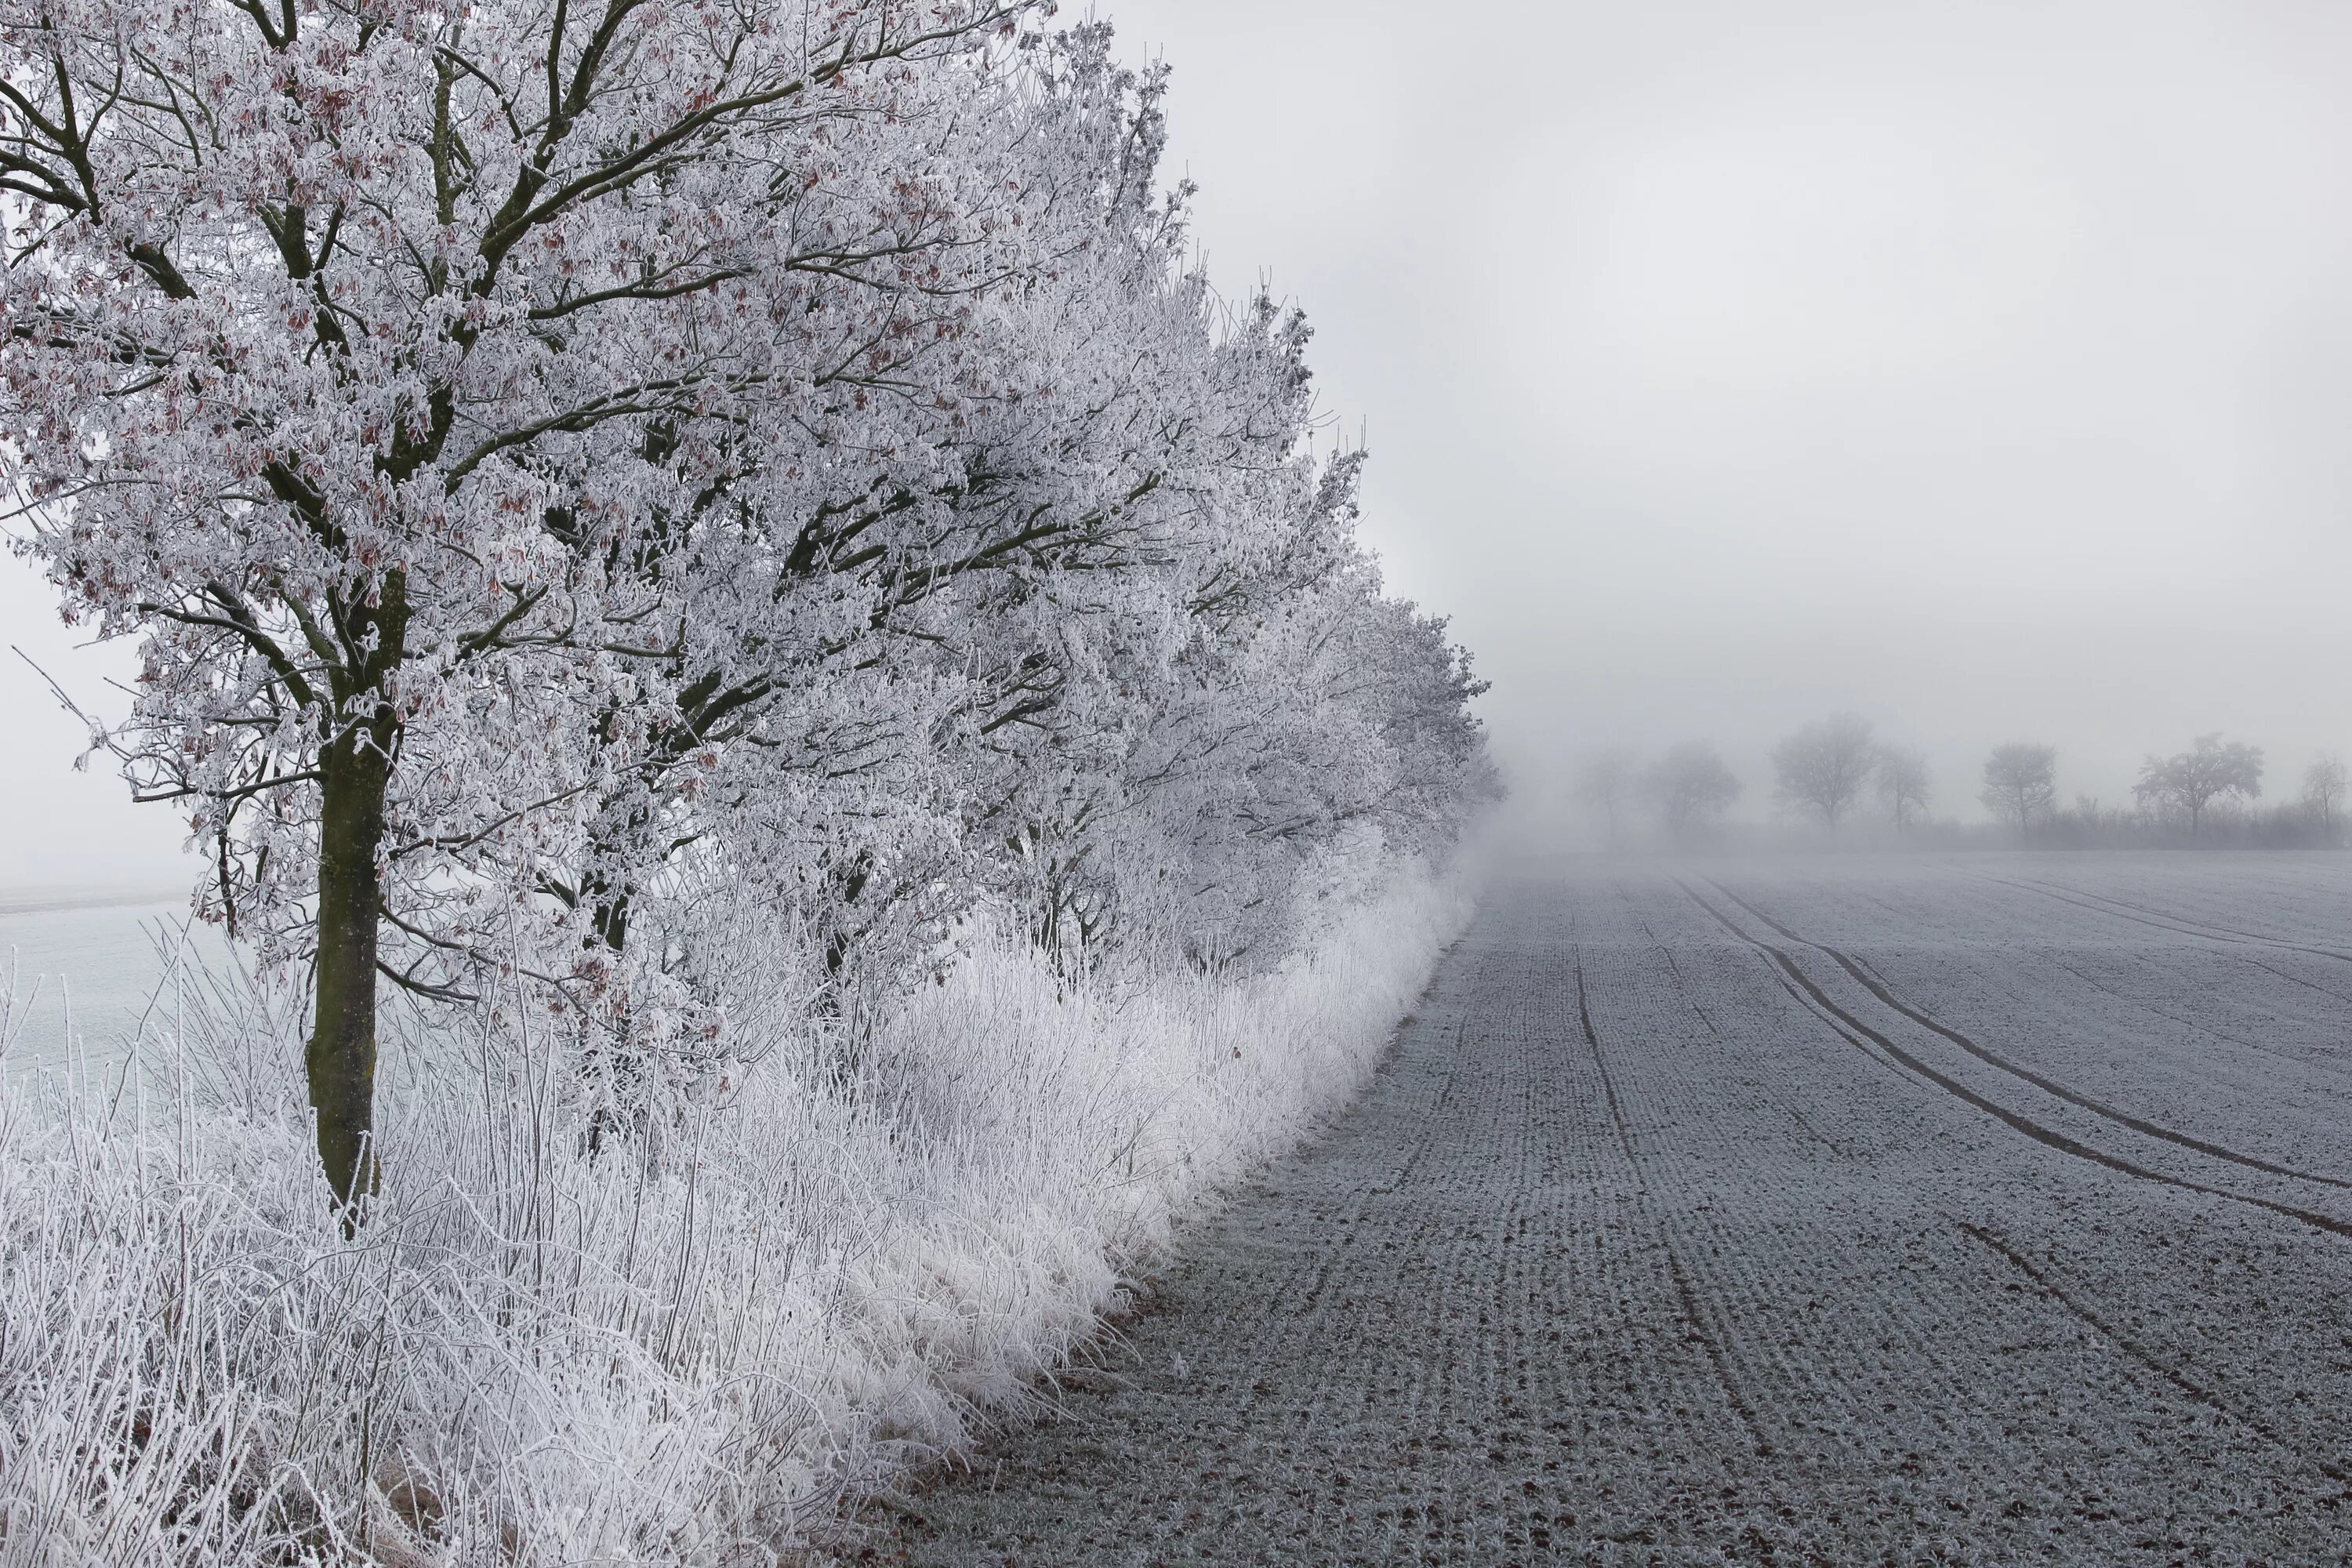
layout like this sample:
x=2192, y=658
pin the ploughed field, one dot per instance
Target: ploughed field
x=1983, y=1209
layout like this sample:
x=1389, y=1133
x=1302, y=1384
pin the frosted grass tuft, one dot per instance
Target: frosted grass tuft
x=698, y=1346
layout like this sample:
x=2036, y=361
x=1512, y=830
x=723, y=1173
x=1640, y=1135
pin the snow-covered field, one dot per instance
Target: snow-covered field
x=87, y=971
x=1990, y=1209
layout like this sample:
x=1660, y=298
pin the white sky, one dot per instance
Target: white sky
x=59, y=828
x=1983, y=366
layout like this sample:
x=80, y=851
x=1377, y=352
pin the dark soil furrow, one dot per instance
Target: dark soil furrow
x=1733, y=1394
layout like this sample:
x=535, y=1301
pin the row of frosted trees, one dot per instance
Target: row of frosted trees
x=1830, y=771
x=575, y=467
x=2197, y=794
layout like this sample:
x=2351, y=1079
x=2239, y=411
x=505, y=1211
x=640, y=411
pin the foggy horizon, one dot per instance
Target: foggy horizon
x=1977, y=370
x=1938, y=367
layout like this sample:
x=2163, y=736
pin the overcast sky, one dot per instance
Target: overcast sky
x=1984, y=367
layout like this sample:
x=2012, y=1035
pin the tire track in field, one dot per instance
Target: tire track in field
x=2042, y=1081
x=2142, y=914
x=1503, y=1369
x=2215, y=927
x=2161, y=920
x=2049, y=1137
x=2171, y=1373
x=1733, y=1394
x=2218, y=934
x=2243, y=1042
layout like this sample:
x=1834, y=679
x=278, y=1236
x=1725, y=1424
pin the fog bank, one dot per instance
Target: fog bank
x=1979, y=368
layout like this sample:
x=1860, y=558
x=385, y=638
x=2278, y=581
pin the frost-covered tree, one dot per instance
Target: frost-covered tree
x=1604, y=785
x=1903, y=784
x=886, y=593
x=1822, y=767
x=2189, y=782
x=2020, y=782
x=1089, y=666
x=1690, y=788
x=2324, y=785
x=360, y=357
x=1344, y=731
x=569, y=466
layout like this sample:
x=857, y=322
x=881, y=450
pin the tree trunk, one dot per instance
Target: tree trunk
x=356, y=769
x=342, y=1055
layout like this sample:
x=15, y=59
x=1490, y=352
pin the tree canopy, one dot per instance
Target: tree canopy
x=2020, y=782
x=1822, y=768
x=566, y=464
x=2189, y=782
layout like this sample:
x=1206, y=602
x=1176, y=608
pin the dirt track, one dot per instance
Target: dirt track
x=2009, y=1228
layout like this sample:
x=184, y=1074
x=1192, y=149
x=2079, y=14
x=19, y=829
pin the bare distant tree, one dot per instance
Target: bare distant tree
x=1690, y=788
x=2324, y=785
x=1604, y=785
x=2020, y=782
x=1823, y=767
x=2190, y=780
x=1902, y=784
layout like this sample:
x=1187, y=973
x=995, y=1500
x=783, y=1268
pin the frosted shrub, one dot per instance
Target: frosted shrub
x=694, y=1346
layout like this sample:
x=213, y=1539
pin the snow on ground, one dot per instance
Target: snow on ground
x=88, y=971
x=691, y=1349
x=1988, y=1209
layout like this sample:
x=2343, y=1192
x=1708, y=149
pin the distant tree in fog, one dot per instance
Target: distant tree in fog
x=1604, y=787
x=2020, y=782
x=2190, y=780
x=1903, y=785
x=1823, y=767
x=2324, y=785
x=1690, y=788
